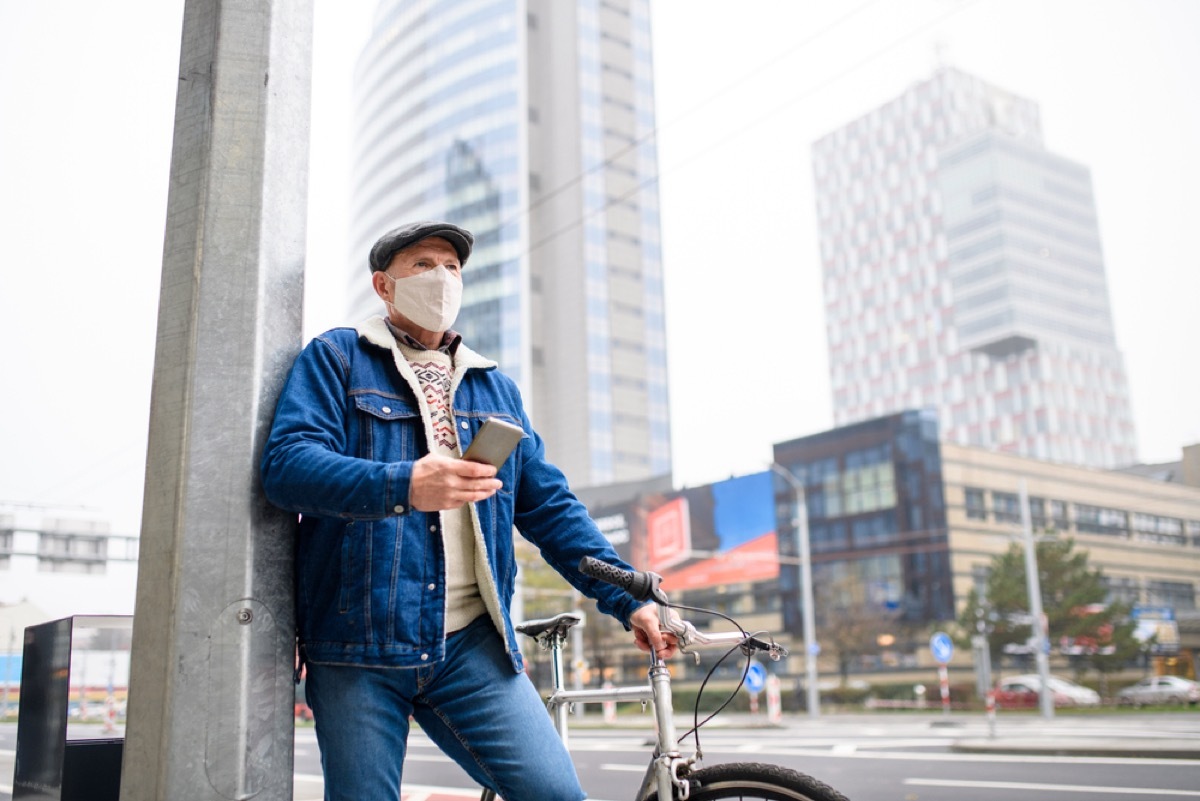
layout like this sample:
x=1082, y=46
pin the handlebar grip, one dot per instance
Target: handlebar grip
x=638, y=584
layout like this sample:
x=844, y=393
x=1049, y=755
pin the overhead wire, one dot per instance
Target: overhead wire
x=778, y=108
x=653, y=132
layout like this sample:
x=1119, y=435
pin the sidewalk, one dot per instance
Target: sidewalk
x=1139, y=747
x=1175, y=737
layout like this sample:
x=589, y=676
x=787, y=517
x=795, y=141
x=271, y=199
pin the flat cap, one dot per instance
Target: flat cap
x=399, y=238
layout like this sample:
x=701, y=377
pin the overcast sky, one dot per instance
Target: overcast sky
x=86, y=110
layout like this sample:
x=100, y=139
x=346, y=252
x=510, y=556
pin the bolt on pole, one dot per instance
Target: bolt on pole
x=211, y=692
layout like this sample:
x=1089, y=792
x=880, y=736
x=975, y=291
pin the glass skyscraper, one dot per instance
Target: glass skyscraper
x=963, y=272
x=531, y=123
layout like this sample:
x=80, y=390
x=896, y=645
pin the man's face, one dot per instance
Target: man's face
x=421, y=257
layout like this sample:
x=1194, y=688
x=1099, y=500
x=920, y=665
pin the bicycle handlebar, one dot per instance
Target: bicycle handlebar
x=644, y=586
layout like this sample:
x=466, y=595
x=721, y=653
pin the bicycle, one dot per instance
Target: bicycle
x=671, y=774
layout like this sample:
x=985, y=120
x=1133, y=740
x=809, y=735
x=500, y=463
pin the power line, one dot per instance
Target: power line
x=653, y=132
x=825, y=84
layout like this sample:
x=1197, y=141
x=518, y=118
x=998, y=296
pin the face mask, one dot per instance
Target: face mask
x=430, y=299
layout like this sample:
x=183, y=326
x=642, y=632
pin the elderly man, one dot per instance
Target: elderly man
x=404, y=559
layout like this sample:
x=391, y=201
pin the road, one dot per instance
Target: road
x=877, y=757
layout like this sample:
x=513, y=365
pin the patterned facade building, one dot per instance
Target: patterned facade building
x=963, y=272
x=531, y=122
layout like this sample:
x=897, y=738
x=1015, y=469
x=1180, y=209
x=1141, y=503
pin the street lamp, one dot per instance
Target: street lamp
x=800, y=523
x=1034, y=587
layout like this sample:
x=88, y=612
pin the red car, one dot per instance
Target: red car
x=1019, y=695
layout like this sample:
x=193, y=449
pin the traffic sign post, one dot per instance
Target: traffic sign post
x=942, y=648
x=944, y=682
x=774, y=699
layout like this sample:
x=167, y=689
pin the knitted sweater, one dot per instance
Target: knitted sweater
x=434, y=370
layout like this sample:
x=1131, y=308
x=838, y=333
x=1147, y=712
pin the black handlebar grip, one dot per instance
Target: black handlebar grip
x=636, y=583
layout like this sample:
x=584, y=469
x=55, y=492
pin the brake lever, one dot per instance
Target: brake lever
x=773, y=649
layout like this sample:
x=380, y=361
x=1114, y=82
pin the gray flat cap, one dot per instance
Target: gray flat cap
x=399, y=238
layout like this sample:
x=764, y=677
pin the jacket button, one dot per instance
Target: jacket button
x=386, y=410
x=464, y=425
x=433, y=528
x=398, y=509
x=424, y=657
x=431, y=587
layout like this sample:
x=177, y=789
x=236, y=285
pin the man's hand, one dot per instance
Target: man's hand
x=646, y=633
x=441, y=482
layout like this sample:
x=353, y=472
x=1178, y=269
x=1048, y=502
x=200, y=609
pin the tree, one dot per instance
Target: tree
x=1091, y=632
x=851, y=623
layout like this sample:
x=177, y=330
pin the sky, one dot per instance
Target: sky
x=87, y=94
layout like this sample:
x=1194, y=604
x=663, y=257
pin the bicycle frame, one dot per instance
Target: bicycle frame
x=663, y=773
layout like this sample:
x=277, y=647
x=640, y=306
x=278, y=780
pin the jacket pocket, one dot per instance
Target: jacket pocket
x=389, y=427
x=354, y=598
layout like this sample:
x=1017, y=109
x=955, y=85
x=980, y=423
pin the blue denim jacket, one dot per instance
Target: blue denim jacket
x=370, y=574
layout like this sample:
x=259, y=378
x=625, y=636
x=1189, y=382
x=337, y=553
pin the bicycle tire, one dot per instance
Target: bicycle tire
x=487, y=795
x=756, y=781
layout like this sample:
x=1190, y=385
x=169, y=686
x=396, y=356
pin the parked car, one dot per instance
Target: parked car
x=1161, y=690
x=1018, y=692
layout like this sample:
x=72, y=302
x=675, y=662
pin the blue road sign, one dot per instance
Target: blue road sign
x=756, y=678
x=941, y=646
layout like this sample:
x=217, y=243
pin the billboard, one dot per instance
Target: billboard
x=1157, y=626
x=721, y=533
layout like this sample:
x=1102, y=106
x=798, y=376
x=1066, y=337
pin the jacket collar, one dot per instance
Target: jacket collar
x=375, y=331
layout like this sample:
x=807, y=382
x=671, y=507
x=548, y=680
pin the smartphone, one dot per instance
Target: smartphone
x=493, y=442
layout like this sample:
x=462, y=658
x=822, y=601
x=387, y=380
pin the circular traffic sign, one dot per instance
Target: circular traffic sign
x=756, y=677
x=941, y=646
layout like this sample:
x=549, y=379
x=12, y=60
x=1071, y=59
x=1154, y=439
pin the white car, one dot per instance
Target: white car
x=1161, y=690
x=1066, y=693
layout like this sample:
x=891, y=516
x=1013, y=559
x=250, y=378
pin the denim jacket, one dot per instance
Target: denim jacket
x=370, y=571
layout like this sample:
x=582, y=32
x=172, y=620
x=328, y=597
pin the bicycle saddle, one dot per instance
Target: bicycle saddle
x=559, y=625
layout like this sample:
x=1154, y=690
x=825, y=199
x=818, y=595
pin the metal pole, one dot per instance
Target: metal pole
x=577, y=659
x=800, y=522
x=211, y=693
x=1034, y=586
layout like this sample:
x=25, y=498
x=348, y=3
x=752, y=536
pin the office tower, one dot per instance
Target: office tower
x=963, y=272
x=531, y=123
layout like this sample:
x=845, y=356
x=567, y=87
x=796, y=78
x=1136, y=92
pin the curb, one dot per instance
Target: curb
x=1052, y=746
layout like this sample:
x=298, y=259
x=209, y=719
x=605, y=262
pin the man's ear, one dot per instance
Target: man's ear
x=382, y=284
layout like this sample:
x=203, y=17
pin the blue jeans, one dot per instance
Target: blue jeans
x=485, y=716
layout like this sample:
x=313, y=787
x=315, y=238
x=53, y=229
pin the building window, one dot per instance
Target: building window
x=1037, y=514
x=1007, y=507
x=1154, y=528
x=6, y=546
x=975, y=504
x=71, y=553
x=1176, y=594
x=1100, y=520
x=1058, y=516
x=979, y=581
x=1122, y=590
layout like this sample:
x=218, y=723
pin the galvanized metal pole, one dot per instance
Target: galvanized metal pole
x=1034, y=586
x=211, y=692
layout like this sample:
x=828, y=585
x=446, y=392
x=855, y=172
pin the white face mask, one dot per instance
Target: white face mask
x=430, y=299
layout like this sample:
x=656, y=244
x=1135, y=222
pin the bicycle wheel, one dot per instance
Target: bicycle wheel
x=755, y=780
